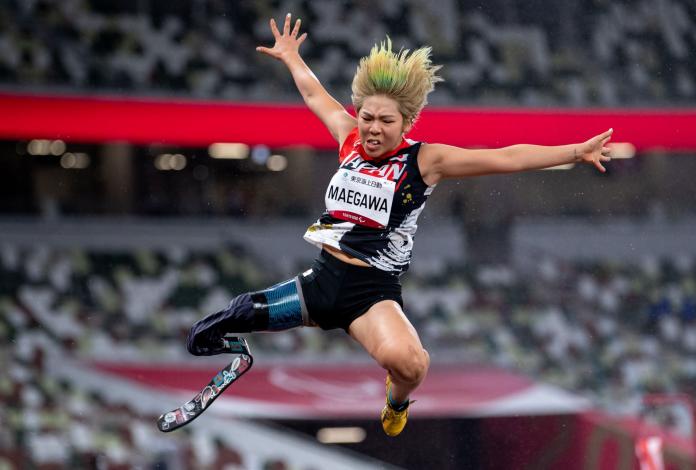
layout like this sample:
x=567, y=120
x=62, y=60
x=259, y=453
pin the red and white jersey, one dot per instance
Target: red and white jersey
x=372, y=205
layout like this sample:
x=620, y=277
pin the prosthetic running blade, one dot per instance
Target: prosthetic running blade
x=195, y=407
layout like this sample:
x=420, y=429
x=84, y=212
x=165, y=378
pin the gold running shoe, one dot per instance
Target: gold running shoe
x=393, y=422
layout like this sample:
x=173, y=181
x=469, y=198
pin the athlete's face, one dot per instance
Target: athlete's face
x=381, y=125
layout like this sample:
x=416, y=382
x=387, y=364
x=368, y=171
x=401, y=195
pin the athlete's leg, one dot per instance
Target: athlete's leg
x=388, y=336
x=277, y=308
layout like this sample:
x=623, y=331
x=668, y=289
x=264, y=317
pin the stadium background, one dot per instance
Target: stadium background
x=552, y=302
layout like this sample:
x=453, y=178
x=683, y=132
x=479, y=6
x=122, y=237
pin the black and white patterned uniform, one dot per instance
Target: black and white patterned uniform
x=372, y=205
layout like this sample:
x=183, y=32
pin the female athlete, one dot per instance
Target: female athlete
x=372, y=203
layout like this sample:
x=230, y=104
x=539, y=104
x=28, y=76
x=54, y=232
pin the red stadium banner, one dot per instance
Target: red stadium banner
x=200, y=123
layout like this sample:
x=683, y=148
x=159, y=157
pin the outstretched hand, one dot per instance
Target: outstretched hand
x=285, y=43
x=594, y=150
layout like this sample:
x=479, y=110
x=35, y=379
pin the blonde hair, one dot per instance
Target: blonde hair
x=407, y=78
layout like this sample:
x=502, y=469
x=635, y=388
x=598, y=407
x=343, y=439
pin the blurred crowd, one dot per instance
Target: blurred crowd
x=611, y=332
x=49, y=424
x=590, y=52
x=72, y=302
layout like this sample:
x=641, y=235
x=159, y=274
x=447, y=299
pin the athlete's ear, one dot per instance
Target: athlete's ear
x=408, y=124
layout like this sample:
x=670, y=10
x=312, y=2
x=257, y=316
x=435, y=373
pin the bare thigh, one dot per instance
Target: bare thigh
x=383, y=328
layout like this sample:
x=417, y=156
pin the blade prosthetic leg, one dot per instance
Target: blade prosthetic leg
x=193, y=408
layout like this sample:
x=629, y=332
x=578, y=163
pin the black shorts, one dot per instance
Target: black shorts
x=336, y=293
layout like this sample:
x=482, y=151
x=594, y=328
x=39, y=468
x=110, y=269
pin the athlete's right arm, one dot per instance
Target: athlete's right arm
x=286, y=49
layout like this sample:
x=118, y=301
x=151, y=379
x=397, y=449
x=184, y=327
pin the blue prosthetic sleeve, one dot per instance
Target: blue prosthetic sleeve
x=283, y=304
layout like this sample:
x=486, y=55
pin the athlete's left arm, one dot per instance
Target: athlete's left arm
x=439, y=161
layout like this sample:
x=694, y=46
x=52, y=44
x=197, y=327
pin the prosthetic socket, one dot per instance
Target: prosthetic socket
x=274, y=309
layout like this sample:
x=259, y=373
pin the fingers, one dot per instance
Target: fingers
x=296, y=29
x=286, y=26
x=286, y=33
x=605, y=136
x=597, y=145
x=274, y=29
x=604, y=156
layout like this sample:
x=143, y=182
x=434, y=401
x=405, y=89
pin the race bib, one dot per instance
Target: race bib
x=359, y=198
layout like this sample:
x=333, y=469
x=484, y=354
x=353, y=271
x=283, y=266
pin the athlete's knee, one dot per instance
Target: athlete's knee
x=406, y=363
x=426, y=359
